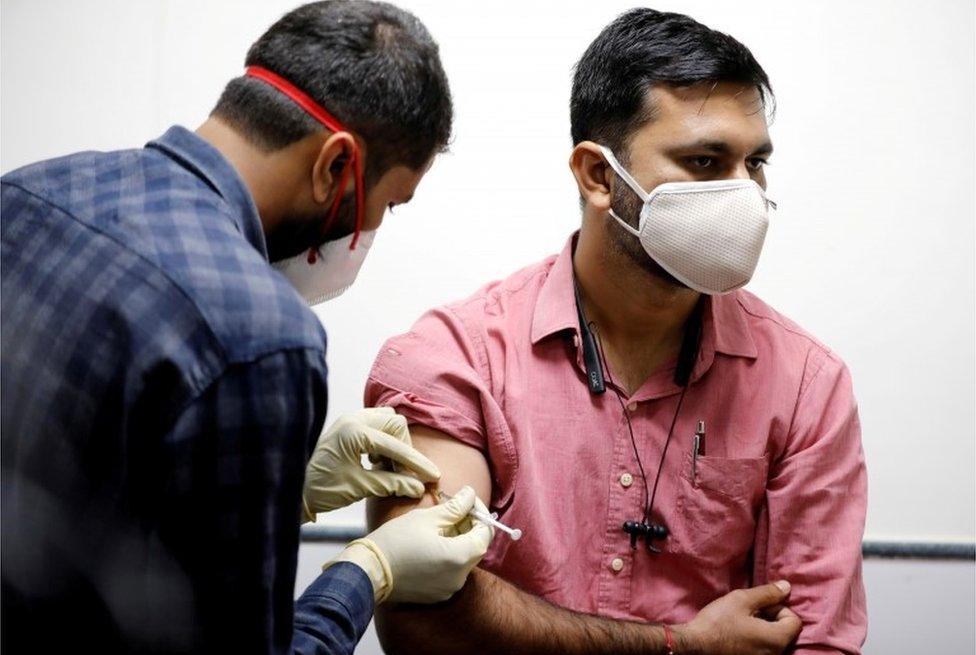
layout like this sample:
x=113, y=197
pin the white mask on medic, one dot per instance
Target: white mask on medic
x=331, y=271
x=708, y=235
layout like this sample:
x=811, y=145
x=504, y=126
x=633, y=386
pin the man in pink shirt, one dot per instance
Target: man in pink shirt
x=662, y=437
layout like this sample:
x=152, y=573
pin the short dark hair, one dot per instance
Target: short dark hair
x=640, y=49
x=372, y=65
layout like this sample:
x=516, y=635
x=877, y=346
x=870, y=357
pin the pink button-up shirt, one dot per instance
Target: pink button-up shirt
x=780, y=493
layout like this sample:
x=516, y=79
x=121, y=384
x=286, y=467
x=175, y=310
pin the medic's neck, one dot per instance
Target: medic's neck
x=271, y=177
x=629, y=304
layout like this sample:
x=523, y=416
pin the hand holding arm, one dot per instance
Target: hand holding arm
x=335, y=476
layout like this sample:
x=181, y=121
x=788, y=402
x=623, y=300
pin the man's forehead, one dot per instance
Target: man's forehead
x=707, y=97
x=720, y=111
x=402, y=180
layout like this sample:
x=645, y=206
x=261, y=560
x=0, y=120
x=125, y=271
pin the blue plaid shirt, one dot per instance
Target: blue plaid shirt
x=162, y=388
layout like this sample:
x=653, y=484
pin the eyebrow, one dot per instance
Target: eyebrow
x=721, y=147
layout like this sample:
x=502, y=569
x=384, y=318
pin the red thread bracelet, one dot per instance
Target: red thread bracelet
x=668, y=639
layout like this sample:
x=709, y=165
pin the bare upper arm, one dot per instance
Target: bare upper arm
x=459, y=463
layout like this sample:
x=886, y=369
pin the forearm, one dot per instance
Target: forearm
x=491, y=616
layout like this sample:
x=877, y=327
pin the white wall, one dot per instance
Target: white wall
x=872, y=248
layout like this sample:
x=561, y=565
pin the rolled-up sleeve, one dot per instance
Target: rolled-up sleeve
x=438, y=375
x=816, y=501
x=432, y=376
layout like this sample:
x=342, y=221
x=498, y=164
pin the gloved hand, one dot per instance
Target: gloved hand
x=425, y=555
x=335, y=475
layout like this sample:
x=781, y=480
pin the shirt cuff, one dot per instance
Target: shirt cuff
x=344, y=587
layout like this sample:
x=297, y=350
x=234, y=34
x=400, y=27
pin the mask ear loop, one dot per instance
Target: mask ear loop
x=622, y=172
x=334, y=209
x=630, y=181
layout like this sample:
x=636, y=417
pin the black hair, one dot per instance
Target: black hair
x=373, y=66
x=640, y=49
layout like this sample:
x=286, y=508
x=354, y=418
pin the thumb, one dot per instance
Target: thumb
x=773, y=593
x=458, y=507
x=474, y=542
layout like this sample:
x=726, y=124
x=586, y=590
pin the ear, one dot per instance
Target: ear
x=327, y=170
x=593, y=174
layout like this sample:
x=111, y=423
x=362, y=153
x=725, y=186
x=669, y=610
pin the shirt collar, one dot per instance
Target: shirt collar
x=724, y=325
x=205, y=161
x=555, y=308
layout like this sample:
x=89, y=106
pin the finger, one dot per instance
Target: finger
x=381, y=444
x=458, y=507
x=385, y=483
x=770, y=613
x=386, y=420
x=480, y=506
x=773, y=593
x=474, y=542
x=786, y=626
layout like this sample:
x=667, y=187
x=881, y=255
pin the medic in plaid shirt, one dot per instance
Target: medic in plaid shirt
x=163, y=386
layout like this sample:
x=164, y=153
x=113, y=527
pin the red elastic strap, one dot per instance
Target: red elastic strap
x=668, y=639
x=318, y=112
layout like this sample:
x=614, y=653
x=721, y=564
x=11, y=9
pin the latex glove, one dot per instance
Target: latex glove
x=335, y=475
x=425, y=555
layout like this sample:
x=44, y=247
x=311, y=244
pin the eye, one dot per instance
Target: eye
x=757, y=163
x=702, y=162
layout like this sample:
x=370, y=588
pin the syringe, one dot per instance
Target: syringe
x=489, y=519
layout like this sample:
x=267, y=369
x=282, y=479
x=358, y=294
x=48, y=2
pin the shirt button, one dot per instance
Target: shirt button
x=632, y=407
x=617, y=564
x=626, y=479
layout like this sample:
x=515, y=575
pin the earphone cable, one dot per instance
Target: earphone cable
x=648, y=506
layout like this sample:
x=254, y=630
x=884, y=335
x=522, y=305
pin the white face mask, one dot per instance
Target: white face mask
x=333, y=271
x=708, y=235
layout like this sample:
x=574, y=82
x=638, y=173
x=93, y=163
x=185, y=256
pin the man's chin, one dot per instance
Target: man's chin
x=658, y=272
x=643, y=261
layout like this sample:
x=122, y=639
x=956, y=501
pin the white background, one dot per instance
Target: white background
x=872, y=249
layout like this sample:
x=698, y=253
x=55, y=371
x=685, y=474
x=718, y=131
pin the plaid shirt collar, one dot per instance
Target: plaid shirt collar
x=203, y=160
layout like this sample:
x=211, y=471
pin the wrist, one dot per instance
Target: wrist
x=364, y=554
x=686, y=642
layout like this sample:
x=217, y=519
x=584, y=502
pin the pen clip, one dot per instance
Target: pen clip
x=698, y=445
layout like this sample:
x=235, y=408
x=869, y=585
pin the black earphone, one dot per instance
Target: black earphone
x=594, y=361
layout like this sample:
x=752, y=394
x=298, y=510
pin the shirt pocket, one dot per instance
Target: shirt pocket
x=717, y=507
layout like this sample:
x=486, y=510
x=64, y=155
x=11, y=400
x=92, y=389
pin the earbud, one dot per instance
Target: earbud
x=648, y=531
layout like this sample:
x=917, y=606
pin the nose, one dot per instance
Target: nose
x=741, y=172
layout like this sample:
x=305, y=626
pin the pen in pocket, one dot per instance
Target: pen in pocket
x=697, y=448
